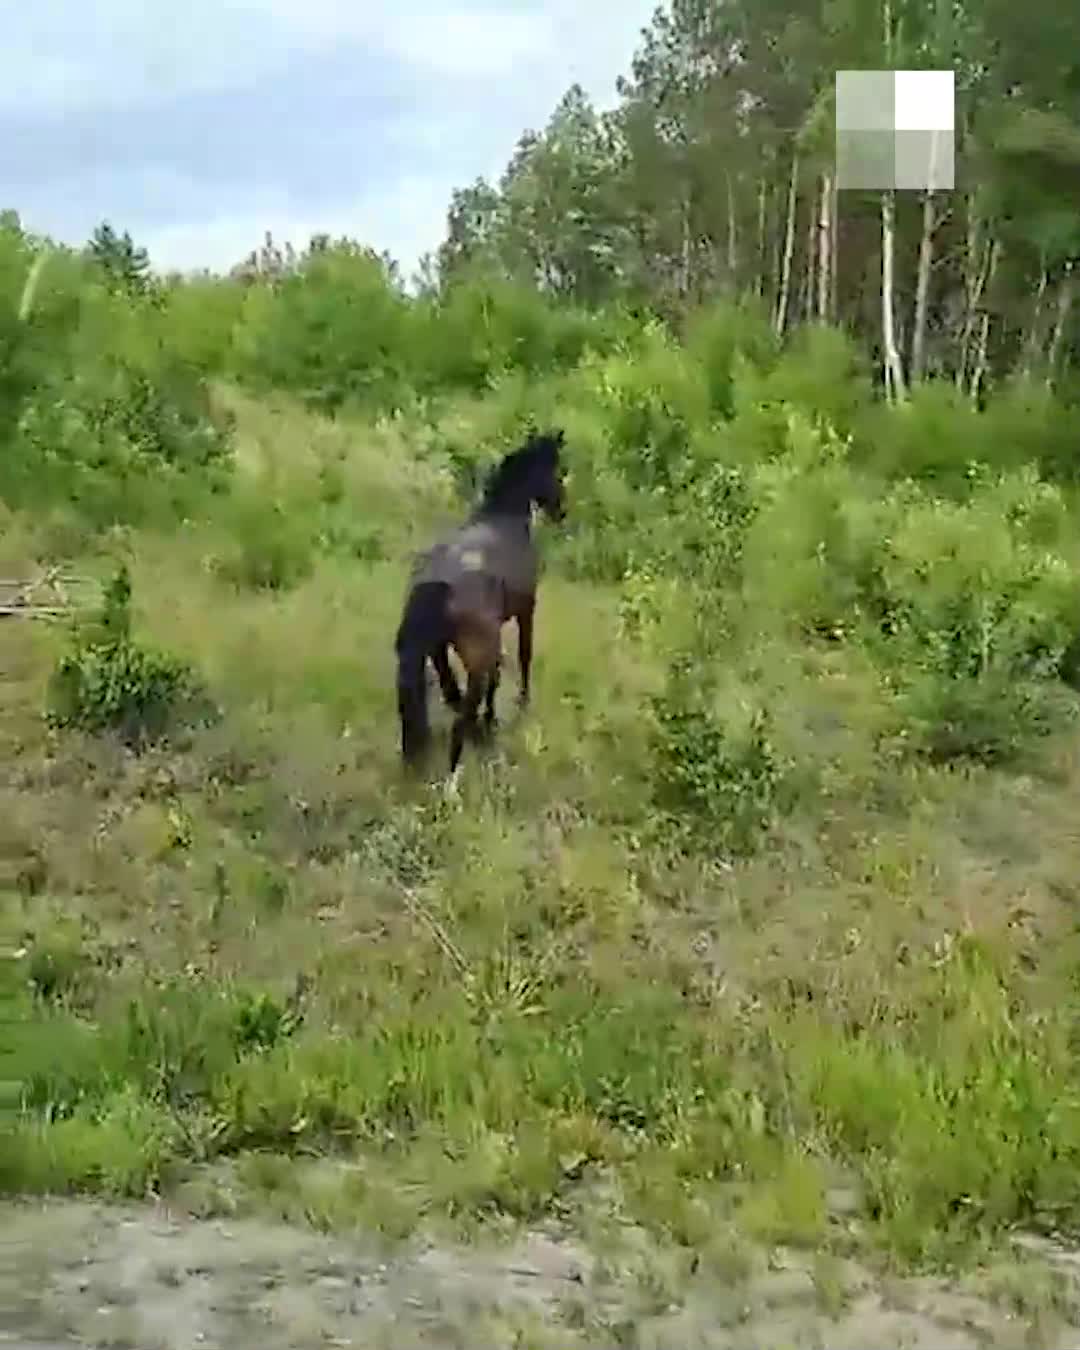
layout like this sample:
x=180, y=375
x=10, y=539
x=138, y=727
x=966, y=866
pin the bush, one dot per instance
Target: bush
x=725, y=342
x=718, y=781
x=980, y=619
x=821, y=378
x=482, y=329
x=992, y=719
x=109, y=682
x=654, y=402
x=270, y=547
x=334, y=332
x=810, y=534
x=95, y=414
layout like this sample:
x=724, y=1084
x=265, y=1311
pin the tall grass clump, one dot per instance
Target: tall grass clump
x=109, y=682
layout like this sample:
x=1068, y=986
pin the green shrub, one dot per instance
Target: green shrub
x=197, y=320
x=482, y=329
x=725, y=342
x=109, y=682
x=938, y=439
x=981, y=618
x=821, y=377
x=335, y=331
x=655, y=401
x=810, y=541
x=1027, y=424
x=271, y=547
x=97, y=416
x=992, y=719
x=719, y=782
x=717, y=510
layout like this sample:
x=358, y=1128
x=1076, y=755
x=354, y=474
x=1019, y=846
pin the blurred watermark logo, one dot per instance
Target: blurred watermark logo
x=895, y=129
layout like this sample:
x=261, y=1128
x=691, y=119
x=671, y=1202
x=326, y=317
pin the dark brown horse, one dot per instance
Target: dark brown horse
x=465, y=588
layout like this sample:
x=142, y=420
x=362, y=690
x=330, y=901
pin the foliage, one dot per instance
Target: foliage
x=125, y=267
x=331, y=331
x=99, y=416
x=739, y=902
x=718, y=779
x=108, y=681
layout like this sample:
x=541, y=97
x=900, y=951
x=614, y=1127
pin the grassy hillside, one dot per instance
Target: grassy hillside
x=761, y=922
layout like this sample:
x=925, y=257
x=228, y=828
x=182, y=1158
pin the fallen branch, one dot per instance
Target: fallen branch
x=442, y=938
x=21, y=596
x=33, y=611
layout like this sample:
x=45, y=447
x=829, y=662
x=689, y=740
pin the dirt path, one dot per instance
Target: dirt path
x=76, y=1274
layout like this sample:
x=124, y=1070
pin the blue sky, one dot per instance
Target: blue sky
x=199, y=124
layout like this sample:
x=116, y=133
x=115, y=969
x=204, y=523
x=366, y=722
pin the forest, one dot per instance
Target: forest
x=771, y=894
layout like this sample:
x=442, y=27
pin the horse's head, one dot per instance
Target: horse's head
x=546, y=473
x=531, y=476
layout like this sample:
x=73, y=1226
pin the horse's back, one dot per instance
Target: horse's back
x=481, y=551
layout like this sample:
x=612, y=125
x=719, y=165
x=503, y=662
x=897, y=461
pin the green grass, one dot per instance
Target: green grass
x=254, y=962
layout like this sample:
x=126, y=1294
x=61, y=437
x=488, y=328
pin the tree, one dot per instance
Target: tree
x=472, y=225
x=125, y=266
x=714, y=176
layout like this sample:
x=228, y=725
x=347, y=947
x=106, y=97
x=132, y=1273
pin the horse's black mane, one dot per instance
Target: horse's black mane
x=541, y=449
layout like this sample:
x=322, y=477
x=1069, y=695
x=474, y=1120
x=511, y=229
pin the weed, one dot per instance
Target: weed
x=715, y=781
x=109, y=682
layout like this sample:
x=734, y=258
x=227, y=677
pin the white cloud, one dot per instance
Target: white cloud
x=361, y=116
x=409, y=213
x=446, y=41
x=463, y=44
x=61, y=56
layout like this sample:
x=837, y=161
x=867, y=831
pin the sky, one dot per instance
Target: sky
x=197, y=125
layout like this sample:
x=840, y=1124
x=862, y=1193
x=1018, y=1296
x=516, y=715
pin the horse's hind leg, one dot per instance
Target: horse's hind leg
x=465, y=724
x=489, y=697
x=525, y=619
x=440, y=659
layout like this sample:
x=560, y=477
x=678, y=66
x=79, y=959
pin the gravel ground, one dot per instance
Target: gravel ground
x=81, y=1274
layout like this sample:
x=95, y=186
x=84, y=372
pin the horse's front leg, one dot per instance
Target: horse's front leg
x=525, y=648
x=440, y=659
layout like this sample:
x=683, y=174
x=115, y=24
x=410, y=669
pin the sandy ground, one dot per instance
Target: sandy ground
x=79, y=1274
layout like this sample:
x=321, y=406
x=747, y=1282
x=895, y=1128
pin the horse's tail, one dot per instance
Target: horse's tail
x=424, y=626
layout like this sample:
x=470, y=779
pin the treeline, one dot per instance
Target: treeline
x=106, y=370
x=714, y=176
x=692, y=233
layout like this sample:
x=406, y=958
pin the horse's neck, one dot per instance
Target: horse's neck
x=517, y=524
